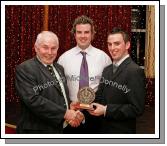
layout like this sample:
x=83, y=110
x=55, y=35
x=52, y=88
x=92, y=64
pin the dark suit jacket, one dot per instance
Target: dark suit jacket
x=42, y=103
x=124, y=94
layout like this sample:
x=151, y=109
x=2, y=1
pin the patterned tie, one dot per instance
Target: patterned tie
x=84, y=76
x=58, y=79
x=50, y=68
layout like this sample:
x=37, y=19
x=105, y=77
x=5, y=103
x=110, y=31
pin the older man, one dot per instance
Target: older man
x=41, y=86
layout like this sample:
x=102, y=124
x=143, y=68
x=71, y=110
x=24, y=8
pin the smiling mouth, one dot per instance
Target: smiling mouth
x=82, y=40
x=114, y=53
x=49, y=58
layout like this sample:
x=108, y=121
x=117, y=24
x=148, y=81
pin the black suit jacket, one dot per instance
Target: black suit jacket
x=42, y=103
x=124, y=94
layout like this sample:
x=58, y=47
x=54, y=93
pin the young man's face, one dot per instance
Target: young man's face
x=117, y=46
x=47, y=51
x=83, y=35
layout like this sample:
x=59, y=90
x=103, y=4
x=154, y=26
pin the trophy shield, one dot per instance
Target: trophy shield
x=86, y=96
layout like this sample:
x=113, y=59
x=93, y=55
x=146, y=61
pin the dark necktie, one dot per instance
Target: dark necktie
x=59, y=83
x=50, y=68
x=115, y=67
x=84, y=76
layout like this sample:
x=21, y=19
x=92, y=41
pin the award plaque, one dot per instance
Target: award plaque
x=85, y=97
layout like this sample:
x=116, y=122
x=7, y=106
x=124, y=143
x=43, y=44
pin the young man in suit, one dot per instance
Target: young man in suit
x=41, y=85
x=120, y=97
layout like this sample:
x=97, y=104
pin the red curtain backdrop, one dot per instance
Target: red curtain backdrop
x=105, y=17
x=23, y=23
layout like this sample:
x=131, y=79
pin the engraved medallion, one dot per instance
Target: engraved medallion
x=85, y=97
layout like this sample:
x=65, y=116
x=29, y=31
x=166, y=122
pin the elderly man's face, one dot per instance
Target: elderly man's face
x=47, y=51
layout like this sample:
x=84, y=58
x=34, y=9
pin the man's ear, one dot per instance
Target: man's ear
x=35, y=47
x=127, y=45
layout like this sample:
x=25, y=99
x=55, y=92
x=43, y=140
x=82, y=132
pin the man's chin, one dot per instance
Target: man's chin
x=115, y=58
x=83, y=47
x=48, y=62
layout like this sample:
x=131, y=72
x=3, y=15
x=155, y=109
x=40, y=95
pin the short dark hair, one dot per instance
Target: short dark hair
x=117, y=30
x=83, y=20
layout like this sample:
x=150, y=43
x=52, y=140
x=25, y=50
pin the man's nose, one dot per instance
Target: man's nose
x=49, y=51
x=82, y=35
x=112, y=47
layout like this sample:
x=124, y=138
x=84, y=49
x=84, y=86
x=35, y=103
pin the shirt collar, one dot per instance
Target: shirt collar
x=121, y=60
x=42, y=62
x=88, y=50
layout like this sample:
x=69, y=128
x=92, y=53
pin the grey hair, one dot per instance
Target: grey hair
x=41, y=37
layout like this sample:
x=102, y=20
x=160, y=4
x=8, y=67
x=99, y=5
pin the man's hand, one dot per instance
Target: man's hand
x=74, y=118
x=74, y=105
x=80, y=116
x=99, y=110
x=70, y=117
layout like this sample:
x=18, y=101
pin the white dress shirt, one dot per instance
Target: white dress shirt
x=71, y=60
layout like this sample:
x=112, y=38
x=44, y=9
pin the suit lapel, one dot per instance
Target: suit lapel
x=121, y=68
x=62, y=78
x=47, y=73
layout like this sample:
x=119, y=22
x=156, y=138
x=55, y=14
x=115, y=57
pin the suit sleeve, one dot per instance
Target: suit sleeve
x=135, y=98
x=99, y=93
x=42, y=107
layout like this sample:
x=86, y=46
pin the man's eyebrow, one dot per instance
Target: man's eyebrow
x=44, y=45
x=81, y=30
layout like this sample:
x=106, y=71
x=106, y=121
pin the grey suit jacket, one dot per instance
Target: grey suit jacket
x=42, y=103
x=124, y=94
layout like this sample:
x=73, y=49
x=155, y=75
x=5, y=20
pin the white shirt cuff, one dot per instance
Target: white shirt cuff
x=105, y=110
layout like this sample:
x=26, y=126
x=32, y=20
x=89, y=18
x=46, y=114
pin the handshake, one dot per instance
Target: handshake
x=74, y=116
